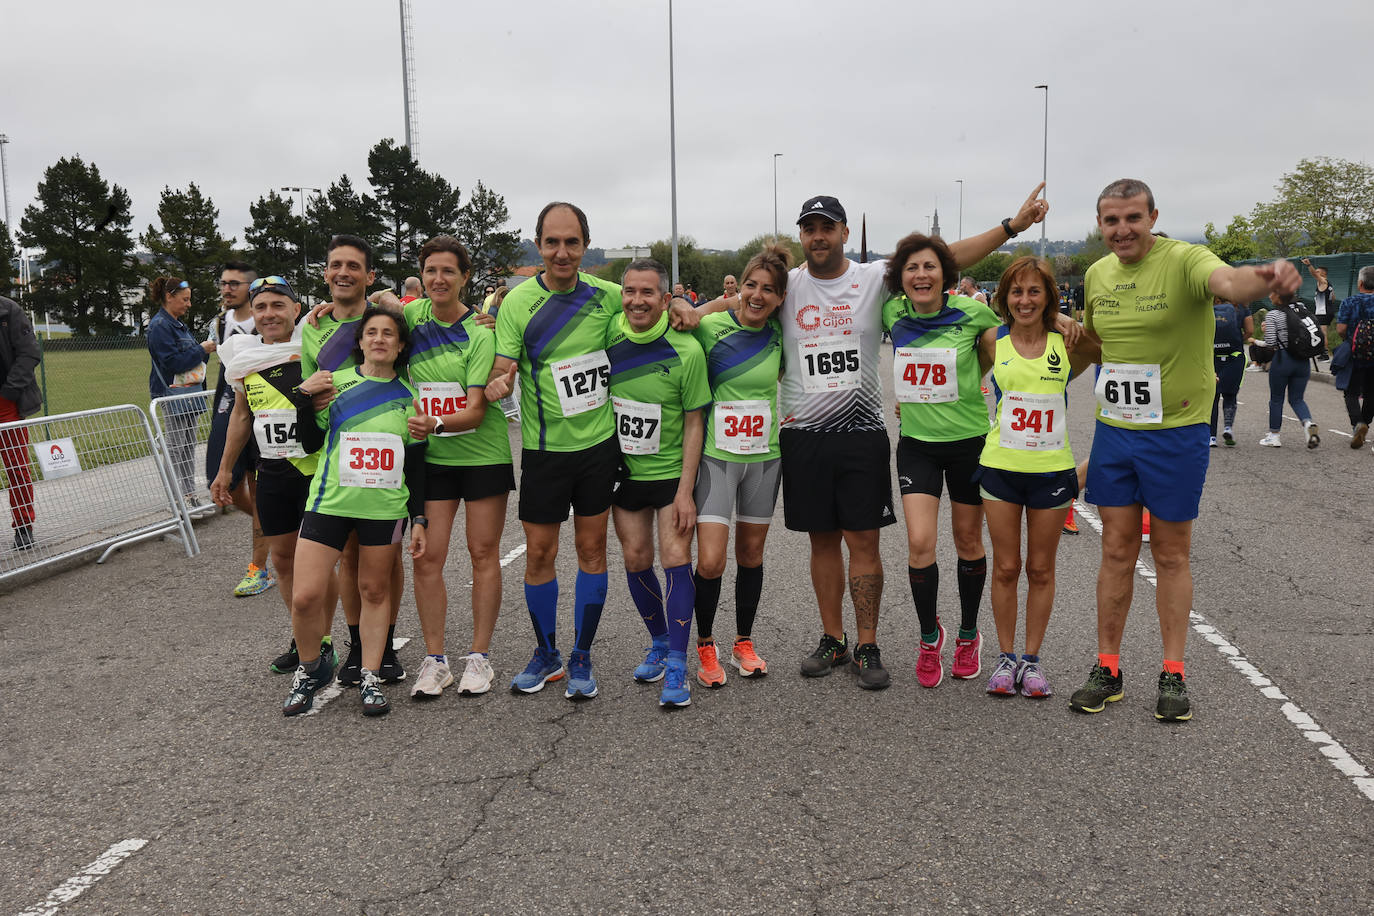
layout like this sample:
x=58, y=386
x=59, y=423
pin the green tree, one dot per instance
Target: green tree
x=1276, y=236
x=80, y=224
x=340, y=210
x=189, y=245
x=274, y=239
x=1094, y=249
x=1330, y=204
x=990, y=268
x=1237, y=243
x=495, y=251
x=755, y=245
x=413, y=205
x=8, y=256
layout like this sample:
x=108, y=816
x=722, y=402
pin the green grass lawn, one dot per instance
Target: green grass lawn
x=82, y=380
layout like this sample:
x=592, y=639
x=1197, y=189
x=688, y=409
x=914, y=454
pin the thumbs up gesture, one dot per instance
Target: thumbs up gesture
x=419, y=426
x=502, y=385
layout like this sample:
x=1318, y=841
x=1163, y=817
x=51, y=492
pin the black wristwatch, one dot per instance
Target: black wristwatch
x=1006, y=226
x=420, y=520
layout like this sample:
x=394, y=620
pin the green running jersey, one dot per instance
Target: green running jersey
x=935, y=368
x=743, y=365
x=361, y=472
x=328, y=347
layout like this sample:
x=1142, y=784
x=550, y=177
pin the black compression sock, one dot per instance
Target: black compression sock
x=708, y=599
x=973, y=575
x=925, y=586
x=748, y=590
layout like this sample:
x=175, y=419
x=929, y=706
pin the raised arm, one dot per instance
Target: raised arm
x=971, y=250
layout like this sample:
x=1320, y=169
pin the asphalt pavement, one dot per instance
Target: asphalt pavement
x=139, y=706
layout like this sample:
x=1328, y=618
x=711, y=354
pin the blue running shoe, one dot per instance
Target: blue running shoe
x=581, y=684
x=545, y=666
x=652, y=669
x=675, y=689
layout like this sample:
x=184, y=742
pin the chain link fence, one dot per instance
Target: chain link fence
x=82, y=373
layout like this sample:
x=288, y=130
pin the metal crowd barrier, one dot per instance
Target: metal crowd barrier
x=85, y=481
x=182, y=424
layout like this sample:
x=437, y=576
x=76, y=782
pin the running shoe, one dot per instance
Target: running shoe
x=581, y=683
x=477, y=675
x=289, y=660
x=23, y=537
x=1003, y=680
x=254, y=582
x=390, y=670
x=304, y=687
x=1070, y=523
x=1357, y=437
x=1271, y=439
x=709, y=671
x=930, y=667
x=830, y=654
x=868, y=665
x=1101, y=688
x=676, y=692
x=746, y=660
x=1145, y=525
x=1173, y=705
x=1033, y=682
x=968, y=662
x=1212, y=442
x=652, y=668
x=1313, y=440
x=375, y=702
x=545, y=665
x=350, y=672
x=1227, y=439
x=434, y=676
x=327, y=650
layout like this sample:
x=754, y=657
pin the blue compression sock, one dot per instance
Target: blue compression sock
x=648, y=599
x=682, y=596
x=542, y=601
x=590, y=599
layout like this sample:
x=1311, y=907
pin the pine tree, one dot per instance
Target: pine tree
x=189, y=246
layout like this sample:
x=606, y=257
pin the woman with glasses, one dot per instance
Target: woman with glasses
x=178, y=367
x=369, y=478
x=468, y=460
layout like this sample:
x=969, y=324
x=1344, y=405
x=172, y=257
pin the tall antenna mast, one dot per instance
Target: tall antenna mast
x=408, y=76
x=5, y=178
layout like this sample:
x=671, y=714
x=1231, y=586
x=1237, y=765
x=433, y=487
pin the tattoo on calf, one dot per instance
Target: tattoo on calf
x=866, y=592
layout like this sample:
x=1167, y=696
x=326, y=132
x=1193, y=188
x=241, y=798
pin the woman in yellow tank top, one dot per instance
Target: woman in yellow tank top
x=1027, y=466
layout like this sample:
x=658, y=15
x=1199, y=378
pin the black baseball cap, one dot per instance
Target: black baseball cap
x=828, y=207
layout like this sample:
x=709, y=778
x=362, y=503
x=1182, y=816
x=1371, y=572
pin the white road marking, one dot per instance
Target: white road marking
x=74, y=887
x=1339, y=433
x=1330, y=748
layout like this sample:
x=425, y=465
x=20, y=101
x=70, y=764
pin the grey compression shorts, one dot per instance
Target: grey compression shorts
x=747, y=489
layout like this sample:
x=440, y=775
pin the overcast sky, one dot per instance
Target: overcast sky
x=882, y=104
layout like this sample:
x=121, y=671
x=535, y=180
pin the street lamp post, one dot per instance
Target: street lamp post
x=305, y=230
x=775, y=194
x=672, y=135
x=1045, y=158
x=960, y=182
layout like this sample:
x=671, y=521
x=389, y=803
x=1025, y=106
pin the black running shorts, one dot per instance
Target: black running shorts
x=550, y=482
x=836, y=481
x=467, y=482
x=922, y=465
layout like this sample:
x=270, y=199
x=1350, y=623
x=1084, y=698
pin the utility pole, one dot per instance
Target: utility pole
x=305, y=231
x=672, y=136
x=408, y=77
x=5, y=178
x=1045, y=160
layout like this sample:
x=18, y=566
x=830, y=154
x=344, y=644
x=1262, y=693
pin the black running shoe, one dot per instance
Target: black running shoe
x=305, y=686
x=351, y=671
x=1102, y=688
x=288, y=661
x=1173, y=705
x=390, y=670
x=375, y=702
x=868, y=665
x=831, y=653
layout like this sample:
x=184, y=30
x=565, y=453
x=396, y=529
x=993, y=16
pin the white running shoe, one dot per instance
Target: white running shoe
x=1271, y=439
x=1213, y=443
x=434, y=677
x=477, y=674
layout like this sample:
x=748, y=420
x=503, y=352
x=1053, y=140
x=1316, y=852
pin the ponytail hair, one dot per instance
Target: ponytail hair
x=162, y=287
x=774, y=258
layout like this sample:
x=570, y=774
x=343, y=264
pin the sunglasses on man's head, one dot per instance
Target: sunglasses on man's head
x=267, y=281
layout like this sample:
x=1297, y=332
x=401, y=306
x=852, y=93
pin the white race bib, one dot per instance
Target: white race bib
x=1032, y=422
x=925, y=375
x=1130, y=392
x=375, y=461
x=582, y=382
x=638, y=425
x=742, y=427
x=276, y=434
x=830, y=363
x=439, y=399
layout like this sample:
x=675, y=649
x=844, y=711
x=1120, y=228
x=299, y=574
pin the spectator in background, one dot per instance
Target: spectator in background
x=968, y=287
x=731, y=286
x=19, y=398
x=1324, y=303
x=235, y=319
x=412, y=290
x=1359, y=391
x=178, y=367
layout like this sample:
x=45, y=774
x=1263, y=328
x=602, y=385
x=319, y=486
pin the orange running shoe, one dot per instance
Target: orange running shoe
x=747, y=660
x=1070, y=524
x=1145, y=525
x=709, y=671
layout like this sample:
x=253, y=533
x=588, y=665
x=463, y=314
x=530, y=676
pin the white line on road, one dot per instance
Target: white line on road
x=507, y=559
x=74, y=887
x=1330, y=748
x=1339, y=433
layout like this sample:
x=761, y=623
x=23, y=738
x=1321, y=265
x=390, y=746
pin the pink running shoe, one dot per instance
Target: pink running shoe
x=1033, y=682
x=1003, y=680
x=967, y=660
x=930, y=668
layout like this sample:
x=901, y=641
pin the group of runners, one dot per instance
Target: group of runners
x=675, y=421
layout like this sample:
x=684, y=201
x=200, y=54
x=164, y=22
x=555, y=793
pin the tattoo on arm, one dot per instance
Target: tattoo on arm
x=866, y=592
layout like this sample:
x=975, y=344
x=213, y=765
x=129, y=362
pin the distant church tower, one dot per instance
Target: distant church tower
x=935, y=226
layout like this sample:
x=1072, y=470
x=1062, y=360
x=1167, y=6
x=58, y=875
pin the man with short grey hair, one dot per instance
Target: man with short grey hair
x=969, y=288
x=1357, y=313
